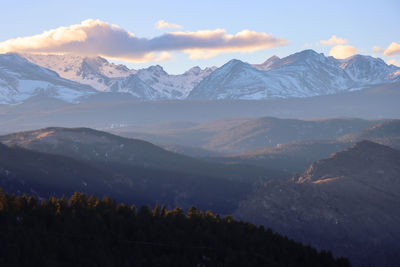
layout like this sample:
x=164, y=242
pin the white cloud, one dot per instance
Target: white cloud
x=392, y=50
x=98, y=38
x=209, y=43
x=377, y=49
x=333, y=41
x=342, y=51
x=164, y=56
x=161, y=24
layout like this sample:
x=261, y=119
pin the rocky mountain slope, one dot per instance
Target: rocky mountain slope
x=348, y=203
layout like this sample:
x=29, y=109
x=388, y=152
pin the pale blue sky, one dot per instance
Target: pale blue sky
x=363, y=24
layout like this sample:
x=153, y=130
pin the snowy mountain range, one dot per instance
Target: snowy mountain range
x=303, y=74
x=150, y=83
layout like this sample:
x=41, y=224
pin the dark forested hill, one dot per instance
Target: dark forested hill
x=87, y=231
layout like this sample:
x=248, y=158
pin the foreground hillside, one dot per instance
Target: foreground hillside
x=92, y=232
x=348, y=203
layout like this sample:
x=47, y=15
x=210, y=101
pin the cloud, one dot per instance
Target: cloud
x=161, y=24
x=392, y=50
x=98, y=38
x=342, y=51
x=333, y=41
x=164, y=56
x=377, y=49
x=209, y=43
x=394, y=62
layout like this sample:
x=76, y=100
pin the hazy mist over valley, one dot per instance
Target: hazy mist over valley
x=187, y=134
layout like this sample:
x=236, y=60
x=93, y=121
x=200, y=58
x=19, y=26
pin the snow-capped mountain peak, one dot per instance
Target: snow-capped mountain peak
x=157, y=70
x=268, y=64
x=173, y=86
x=94, y=71
x=21, y=79
x=368, y=69
x=196, y=70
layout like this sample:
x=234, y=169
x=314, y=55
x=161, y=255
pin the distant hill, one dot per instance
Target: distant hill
x=386, y=133
x=297, y=156
x=267, y=131
x=97, y=146
x=348, y=203
x=242, y=135
x=137, y=171
x=294, y=157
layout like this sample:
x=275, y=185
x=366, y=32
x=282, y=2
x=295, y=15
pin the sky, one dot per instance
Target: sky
x=181, y=34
